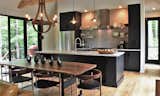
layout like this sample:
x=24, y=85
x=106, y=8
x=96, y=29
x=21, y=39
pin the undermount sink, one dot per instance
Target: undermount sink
x=84, y=49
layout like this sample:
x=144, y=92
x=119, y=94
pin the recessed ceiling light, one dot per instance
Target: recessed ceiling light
x=85, y=10
x=120, y=6
x=153, y=8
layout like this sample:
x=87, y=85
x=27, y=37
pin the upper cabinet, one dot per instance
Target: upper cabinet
x=134, y=31
x=65, y=21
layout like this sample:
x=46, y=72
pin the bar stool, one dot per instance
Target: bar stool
x=90, y=80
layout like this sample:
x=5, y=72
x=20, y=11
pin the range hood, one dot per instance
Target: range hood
x=105, y=18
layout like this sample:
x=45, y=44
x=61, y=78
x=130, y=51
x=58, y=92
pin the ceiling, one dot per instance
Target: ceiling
x=149, y=4
x=10, y=6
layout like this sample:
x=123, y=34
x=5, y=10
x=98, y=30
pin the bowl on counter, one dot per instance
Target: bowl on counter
x=106, y=51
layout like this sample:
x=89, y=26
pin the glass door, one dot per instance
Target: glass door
x=32, y=39
x=152, y=40
x=4, y=52
x=17, y=38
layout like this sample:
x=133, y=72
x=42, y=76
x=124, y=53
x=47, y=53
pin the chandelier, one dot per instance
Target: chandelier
x=41, y=19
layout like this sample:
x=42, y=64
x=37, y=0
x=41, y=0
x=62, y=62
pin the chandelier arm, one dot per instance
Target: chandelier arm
x=43, y=31
x=35, y=28
x=47, y=17
x=42, y=4
x=39, y=7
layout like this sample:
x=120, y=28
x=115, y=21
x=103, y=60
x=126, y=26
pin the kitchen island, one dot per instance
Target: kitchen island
x=111, y=65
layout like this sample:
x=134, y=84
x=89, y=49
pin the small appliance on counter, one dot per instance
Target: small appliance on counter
x=122, y=45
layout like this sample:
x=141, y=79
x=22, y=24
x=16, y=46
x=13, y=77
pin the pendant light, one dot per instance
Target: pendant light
x=94, y=17
x=87, y=8
x=73, y=21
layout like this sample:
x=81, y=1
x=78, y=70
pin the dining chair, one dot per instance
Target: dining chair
x=17, y=75
x=90, y=80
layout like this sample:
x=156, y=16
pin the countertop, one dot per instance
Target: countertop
x=128, y=50
x=94, y=49
x=84, y=53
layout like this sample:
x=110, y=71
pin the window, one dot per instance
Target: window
x=16, y=37
x=32, y=38
x=4, y=52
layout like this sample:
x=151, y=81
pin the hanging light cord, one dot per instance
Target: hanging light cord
x=94, y=5
x=73, y=4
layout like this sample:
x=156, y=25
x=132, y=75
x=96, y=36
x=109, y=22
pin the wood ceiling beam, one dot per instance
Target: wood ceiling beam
x=24, y=3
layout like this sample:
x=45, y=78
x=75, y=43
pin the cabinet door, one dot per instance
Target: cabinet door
x=133, y=61
x=134, y=26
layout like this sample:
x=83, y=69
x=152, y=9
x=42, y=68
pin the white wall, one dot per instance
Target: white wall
x=152, y=14
x=142, y=36
x=80, y=5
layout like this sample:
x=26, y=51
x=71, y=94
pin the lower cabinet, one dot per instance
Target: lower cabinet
x=132, y=61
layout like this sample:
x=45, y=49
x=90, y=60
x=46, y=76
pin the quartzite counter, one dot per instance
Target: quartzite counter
x=111, y=65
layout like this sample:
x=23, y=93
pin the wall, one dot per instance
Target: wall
x=80, y=5
x=52, y=38
x=143, y=34
x=103, y=38
x=152, y=14
x=118, y=16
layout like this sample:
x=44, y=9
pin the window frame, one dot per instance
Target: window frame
x=25, y=34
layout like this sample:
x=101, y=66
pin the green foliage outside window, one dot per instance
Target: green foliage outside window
x=17, y=37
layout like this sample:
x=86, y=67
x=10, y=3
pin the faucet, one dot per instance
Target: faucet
x=77, y=43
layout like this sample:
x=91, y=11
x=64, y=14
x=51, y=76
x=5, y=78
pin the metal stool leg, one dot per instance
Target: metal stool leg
x=10, y=74
x=32, y=81
x=100, y=86
x=1, y=72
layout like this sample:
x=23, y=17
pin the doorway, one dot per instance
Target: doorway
x=152, y=40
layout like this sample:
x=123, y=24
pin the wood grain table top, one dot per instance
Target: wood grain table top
x=71, y=68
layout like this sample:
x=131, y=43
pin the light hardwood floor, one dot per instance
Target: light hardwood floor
x=134, y=84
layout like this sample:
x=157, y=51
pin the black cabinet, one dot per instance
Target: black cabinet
x=132, y=61
x=65, y=21
x=134, y=26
